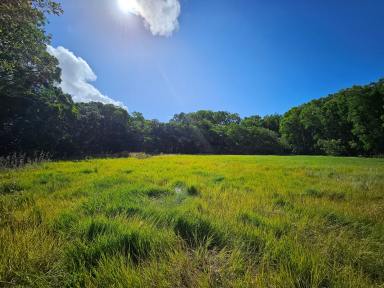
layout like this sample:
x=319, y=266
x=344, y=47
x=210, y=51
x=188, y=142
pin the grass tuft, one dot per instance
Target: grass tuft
x=196, y=231
x=10, y=187
x=193, y=191
x=313, y=193
x=157, y=192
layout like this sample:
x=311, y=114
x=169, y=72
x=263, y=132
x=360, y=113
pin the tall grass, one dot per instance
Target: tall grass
x=194, y=221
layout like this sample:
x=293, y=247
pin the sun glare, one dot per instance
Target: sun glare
x=129, y=6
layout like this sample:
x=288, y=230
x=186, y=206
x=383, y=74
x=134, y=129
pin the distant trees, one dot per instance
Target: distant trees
x=271, y=122
x=350, y=122
x=100, y=128
x=366, y=114
x=35, y=115
x=254, y=140
x=226, y=133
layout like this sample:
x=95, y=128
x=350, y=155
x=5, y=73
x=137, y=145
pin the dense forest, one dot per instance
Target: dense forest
x=35, y=115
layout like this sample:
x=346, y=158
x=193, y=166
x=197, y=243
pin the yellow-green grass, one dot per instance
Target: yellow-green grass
x=194, y=221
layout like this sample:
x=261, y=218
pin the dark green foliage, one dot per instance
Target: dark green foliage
x=331, y=147
x=350, y=122
x=25, y=65
x=208, y=132
x=101, y=129
x=271, y=122
x=34, y=114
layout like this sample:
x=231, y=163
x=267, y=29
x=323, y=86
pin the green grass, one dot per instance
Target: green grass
x=194, y=221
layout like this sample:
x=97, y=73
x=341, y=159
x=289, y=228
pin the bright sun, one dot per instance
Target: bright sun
x=129, y=6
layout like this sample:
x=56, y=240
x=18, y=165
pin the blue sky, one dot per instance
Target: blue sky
x=244, y=56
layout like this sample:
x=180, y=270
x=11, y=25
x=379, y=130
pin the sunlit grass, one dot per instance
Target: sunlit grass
x=194, y=221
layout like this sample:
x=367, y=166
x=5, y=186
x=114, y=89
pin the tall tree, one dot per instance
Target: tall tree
x=32, y=109
x=25, y=64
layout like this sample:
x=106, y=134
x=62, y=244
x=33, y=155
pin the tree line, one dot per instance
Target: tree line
x=35, y=115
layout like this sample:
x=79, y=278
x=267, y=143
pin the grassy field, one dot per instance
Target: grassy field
x=194, y=221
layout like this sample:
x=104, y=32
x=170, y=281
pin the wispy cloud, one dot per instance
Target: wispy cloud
x=160, y=16
x=75, y=77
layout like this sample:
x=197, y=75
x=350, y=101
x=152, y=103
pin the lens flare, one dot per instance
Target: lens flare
x=129, y=6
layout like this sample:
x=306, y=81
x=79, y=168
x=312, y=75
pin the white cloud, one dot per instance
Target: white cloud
x=160, y=16
x=75, y=77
